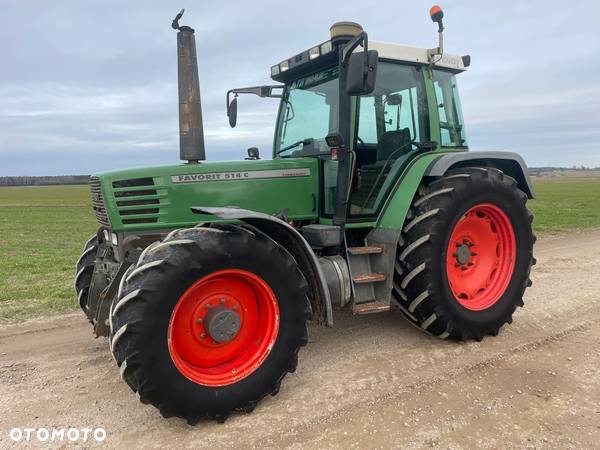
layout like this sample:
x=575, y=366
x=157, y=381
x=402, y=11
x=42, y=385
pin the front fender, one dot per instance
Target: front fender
x=287, y=236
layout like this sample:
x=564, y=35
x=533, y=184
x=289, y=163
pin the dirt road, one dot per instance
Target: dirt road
x=371, y=382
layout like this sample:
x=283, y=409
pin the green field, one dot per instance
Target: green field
x=42, y=230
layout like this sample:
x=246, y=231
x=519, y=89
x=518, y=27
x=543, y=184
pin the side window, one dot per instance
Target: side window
x=452, y=127
x=390, y=112
x=367, y=127
x=400, y=112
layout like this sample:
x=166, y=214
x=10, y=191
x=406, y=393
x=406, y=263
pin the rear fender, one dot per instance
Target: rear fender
x=287, y=236
x=510, y=163
x=398, y=203
x=437, y=164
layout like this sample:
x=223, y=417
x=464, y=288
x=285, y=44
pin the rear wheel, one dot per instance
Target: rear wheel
x=465, y=254
x=83, y=272
x=209, y=321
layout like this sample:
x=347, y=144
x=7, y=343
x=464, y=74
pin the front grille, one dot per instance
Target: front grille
x=137, y=202
x=98, y=202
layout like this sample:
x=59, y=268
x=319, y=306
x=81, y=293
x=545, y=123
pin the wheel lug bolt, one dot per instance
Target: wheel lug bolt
x=222, y=301
x=463, y=268
x=203, y=335
x=471, y=263
x=473, y=254
x=234, y=306
x=208, y=305
x=454, y=255
x=198, y=320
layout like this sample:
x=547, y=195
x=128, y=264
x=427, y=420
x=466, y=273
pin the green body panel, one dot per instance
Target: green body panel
x=396, y=207
x=226, y=186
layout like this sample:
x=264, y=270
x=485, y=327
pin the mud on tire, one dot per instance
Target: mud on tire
x=421, y=279
x=150, y=290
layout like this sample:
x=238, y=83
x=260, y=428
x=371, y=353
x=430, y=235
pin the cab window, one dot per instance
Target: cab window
x=452, y=126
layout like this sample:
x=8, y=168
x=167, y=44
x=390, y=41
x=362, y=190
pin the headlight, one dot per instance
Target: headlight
x=114, y=239
x=275, y=70
x=284, y=66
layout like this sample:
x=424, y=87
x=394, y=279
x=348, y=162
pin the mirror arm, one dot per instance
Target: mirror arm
x=256, y=90
x=355, y=42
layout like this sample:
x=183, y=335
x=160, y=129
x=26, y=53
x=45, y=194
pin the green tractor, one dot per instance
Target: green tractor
x=204, y=275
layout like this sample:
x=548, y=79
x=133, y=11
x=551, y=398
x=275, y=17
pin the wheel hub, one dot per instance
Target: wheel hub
x=463, y=254
x=222, y=324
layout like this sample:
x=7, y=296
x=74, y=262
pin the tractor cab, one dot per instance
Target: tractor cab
x=410, y=106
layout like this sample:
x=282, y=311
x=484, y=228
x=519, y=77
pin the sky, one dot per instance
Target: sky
x=88, y=86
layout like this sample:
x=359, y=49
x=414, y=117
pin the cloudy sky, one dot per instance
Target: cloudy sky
x=91, y=85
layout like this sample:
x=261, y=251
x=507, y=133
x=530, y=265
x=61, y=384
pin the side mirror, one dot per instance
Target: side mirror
x=232, y=112
x=361, y=73
x=253, y=153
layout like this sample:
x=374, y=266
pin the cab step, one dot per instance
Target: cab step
x=370, y=307
x=368, y=278
x=365, y=250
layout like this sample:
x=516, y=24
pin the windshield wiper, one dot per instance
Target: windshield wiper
x=295, y=144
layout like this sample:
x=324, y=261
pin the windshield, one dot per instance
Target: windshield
x=308, y=113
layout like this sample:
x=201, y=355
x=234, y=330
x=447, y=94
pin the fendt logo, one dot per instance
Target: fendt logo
x=241, y=175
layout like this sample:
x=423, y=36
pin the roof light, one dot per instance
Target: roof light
x=326, y=47
x=275, y=70
x=314, y=53
x=284, y=66
x=436, y=13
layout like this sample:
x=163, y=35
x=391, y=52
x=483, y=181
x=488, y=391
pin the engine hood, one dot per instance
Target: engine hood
x=161, y=197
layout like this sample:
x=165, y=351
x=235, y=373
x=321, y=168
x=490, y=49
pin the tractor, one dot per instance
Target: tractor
x=203, y=275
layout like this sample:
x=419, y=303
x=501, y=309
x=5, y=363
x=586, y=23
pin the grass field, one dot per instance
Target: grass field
x=42, y=230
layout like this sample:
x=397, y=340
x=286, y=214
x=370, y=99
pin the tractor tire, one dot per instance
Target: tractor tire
x=465, y=254
x=165, y=320
x=84, y=269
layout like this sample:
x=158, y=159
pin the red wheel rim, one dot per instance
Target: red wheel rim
x=245, y=300
x=480, y=259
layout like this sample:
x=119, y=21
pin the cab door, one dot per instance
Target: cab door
x=391, y=121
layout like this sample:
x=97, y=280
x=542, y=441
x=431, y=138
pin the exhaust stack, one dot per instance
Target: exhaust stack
x=191, y=133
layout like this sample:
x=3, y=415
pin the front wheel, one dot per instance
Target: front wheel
x=84, y=270
x=209, y=321
x=465, y=254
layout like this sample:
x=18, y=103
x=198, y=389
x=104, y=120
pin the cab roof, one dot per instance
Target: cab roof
x=326, y=55
x=407, y=53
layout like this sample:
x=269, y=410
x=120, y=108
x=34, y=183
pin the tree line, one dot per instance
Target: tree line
x=44, y=181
